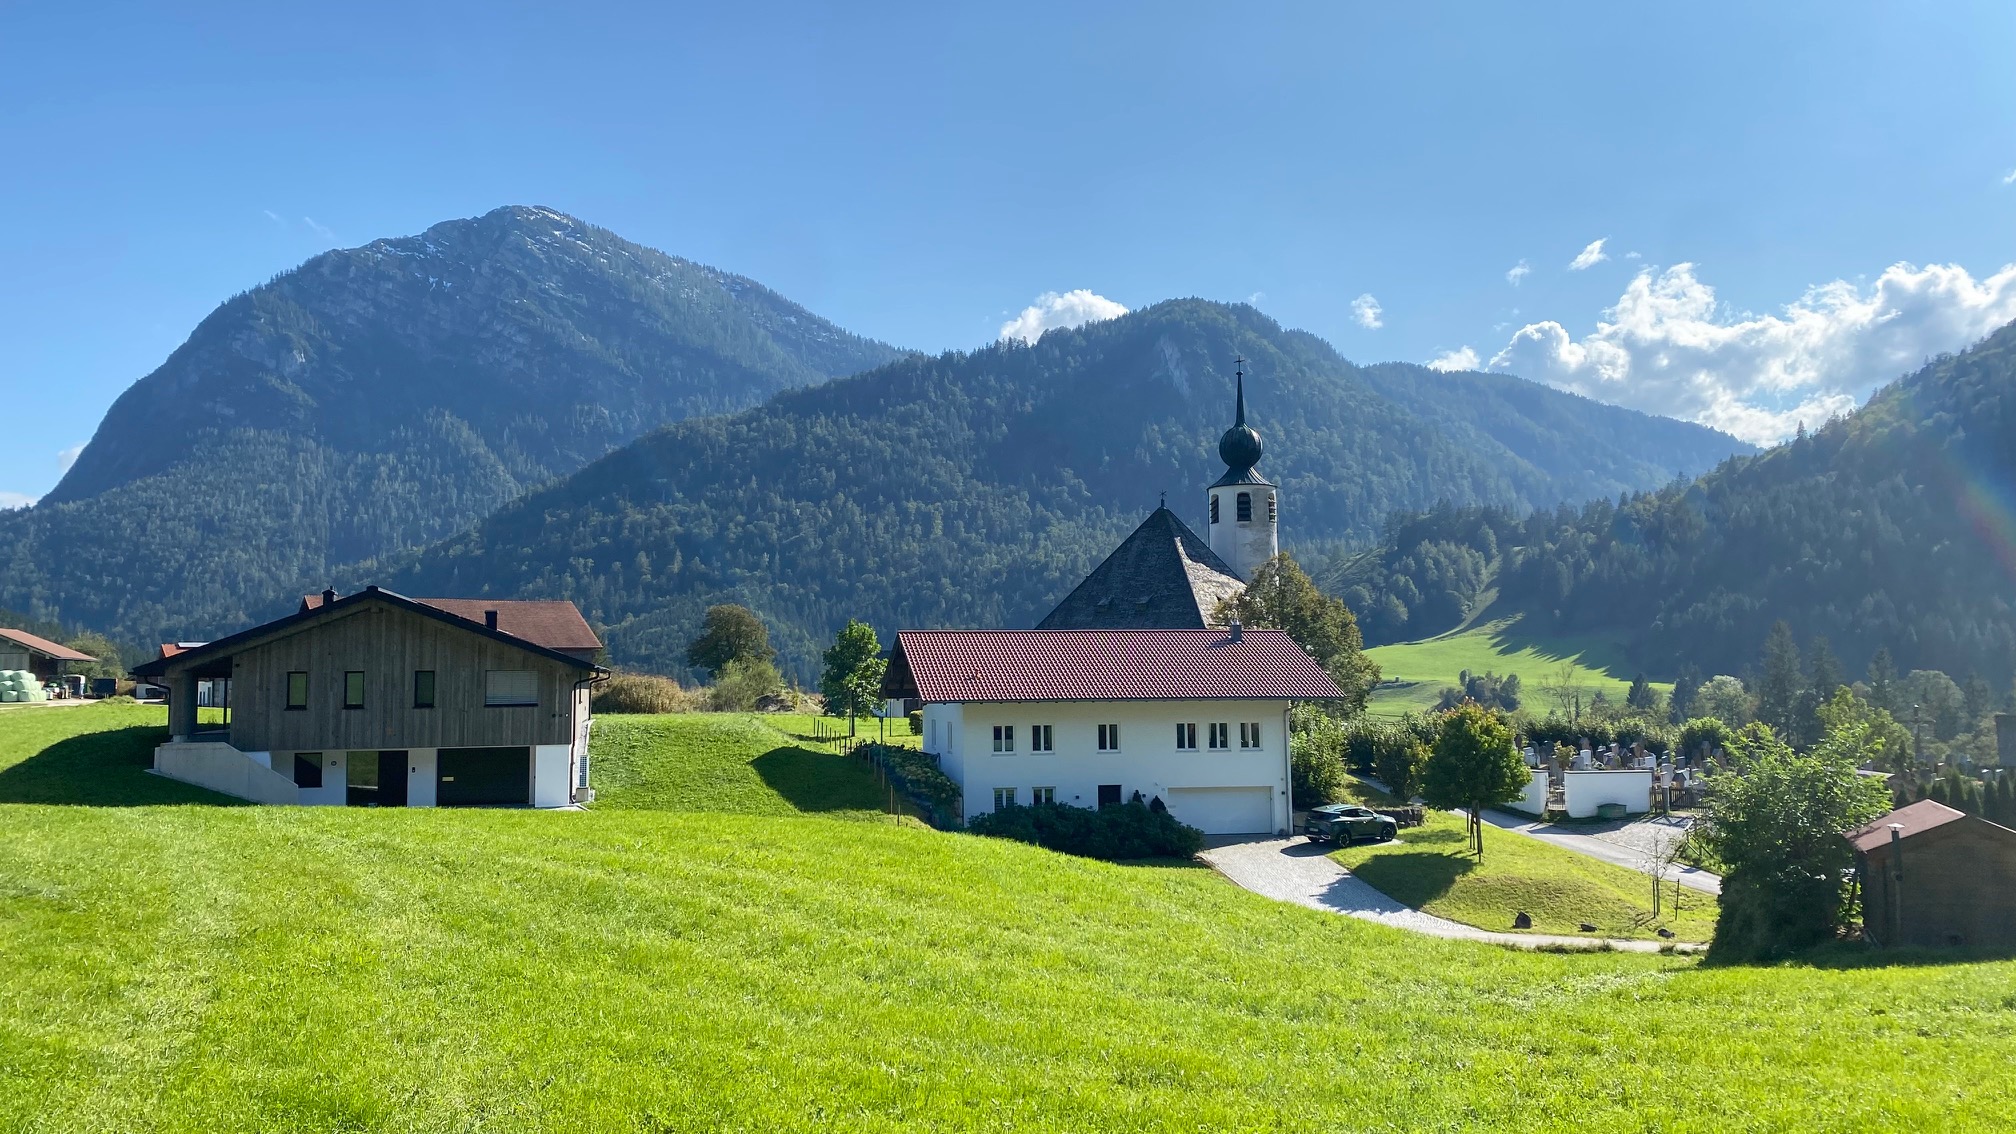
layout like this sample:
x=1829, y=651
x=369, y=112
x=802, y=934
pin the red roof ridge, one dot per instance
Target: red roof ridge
x=1913, y=819
x=1102, y=664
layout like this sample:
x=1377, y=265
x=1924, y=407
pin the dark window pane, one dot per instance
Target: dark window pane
x=423, y=688
x=307, y=769
x=353, y=689
x=297, y=690
x=1245, y=506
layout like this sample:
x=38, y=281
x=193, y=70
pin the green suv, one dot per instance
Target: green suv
x=1346, y=823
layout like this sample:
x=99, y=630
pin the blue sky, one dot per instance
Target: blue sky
x=923, y=174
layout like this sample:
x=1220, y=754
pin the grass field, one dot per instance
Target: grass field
x=167, y=967
x=1430, y=868
x=727, y=762
x=1503, y=647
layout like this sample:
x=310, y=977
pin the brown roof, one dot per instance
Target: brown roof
x=553, y=623
x=1915, y=819
x=44, y=646
x=1102, y=665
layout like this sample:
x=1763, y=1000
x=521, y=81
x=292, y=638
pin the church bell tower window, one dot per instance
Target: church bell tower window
x=1245, y=507
x=1214, y=507
x=1270, y=508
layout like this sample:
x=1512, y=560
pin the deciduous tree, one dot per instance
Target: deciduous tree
x=852, y=678
x=1474, y=766
x=1282, y=597
x=729, y=632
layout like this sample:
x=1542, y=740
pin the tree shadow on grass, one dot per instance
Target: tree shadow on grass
x=1413, y=878
x=101, y=769
x=1847, y=955
x=814, y=781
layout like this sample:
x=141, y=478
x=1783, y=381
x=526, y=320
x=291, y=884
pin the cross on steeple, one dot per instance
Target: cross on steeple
x=1239, y=380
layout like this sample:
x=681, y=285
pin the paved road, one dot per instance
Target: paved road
x=1296, y=870
x=1626, y=852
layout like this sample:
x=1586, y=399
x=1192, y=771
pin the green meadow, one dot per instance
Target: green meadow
x=1430, y=868
x=765, y=961
x=1502, y=646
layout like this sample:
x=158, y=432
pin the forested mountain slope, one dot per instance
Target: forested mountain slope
x=1894, y=527
x=387, y=396
x=976, y=489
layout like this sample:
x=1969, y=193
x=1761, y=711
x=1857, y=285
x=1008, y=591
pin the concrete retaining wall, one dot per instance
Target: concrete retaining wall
x=222, y=768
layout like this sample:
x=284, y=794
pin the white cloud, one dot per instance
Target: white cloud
x=274, y=217
x=1462, y=358
x=1633, y=256
x=1053, y=310
x=1366, y=311
x=1517, y=272
x=10, y=500
x=320, y=229
x=2009, y=178
x=1255, y=298
x=67, y=457
x=1668, y=347
x=1589, y=257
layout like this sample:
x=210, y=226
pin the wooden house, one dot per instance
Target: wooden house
x=47, y=660
x=1932, y=875
x=376, y=698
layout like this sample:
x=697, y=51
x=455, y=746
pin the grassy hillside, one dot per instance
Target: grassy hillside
x=213, y=968
x=1503, y=646
x=1430, y=868
x=728, y=762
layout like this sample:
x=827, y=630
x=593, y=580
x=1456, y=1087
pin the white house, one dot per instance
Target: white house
x=1197, y=718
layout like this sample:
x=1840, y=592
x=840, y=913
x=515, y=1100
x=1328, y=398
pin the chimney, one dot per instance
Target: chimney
x=1238, y=631
x=490, y=619
x=328, y=595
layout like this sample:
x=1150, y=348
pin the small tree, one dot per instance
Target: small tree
x=1724, y=698
x=1400, y=763
x=98, y=646
x=1282, y=597
x=1474, y=766
x=1315, y=757
x=1777, y=829
x=729, y=632
x=852, y=679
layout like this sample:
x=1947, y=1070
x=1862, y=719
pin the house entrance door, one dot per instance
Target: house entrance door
x=392, y=770
x=1109, y=795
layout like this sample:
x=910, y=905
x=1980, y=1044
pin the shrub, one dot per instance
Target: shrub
x=1399, y=764
x=917, y=723
x=743, y=684
x=1315, y=757
x=1115, y=833
x=917, y=775
x=645, y=693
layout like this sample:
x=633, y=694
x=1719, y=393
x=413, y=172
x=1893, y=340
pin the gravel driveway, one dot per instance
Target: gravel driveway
x=1296, y=870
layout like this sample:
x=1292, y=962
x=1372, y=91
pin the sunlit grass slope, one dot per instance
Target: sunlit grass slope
x=189, y=967
x=726, y=762
x=1501, y=646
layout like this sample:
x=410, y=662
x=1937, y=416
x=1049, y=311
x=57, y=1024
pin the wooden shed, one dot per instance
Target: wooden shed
x=1932, y=875
x=45, y=659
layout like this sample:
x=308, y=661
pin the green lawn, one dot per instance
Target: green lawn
x=173, y=967
x=1503, y=647
x=726, y=762
x=1431, y=869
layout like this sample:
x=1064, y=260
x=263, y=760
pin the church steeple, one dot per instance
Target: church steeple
x=1244, y=506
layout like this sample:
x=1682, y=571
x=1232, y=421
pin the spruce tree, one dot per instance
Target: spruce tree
x=1824, y=670
x=1883, y=681
x=1780, y=684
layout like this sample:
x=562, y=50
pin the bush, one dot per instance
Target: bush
x=1315, y=757
x=917, y=775
x=743, y=684
x=1115, y=833
x=917, y=723
x=645, y=693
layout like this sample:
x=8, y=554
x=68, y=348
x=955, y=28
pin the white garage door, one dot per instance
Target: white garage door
x=1225, y=811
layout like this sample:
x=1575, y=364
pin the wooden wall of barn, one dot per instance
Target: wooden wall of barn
x=1959, y=888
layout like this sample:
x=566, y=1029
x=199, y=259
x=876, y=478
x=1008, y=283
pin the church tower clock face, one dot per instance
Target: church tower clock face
x=1245, y=508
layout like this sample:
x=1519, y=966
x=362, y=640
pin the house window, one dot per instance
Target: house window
x=1043, y=795
x=308, y=769
x=1004, y=797
x=423, y=688
x=506, y=687
x=1109, y=738
x=1186, y=737
x=1004, y=738
x=1249, y=735
x=297, y=690
x=1221, y=735
x=1270, y=508
x=583, y=766
x=1041, y=739
x=353, y=689
x=1214, y=507
x=1245, y=506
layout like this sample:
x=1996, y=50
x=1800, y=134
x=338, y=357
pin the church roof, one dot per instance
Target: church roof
x=1163, y=577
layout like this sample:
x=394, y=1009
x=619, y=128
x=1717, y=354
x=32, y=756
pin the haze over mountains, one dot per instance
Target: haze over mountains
x=367, y=407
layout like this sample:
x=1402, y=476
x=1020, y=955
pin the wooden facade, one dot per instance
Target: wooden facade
x=1953, y=884
x=386, y=643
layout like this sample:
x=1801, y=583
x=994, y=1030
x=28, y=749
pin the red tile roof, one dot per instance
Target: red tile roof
x=1916, y=819
x=44, y=646
x=1101, y=665
x=553, y=623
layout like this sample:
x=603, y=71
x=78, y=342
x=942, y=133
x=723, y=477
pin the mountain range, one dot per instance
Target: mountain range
x=1891, y=528
x=524, y=404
